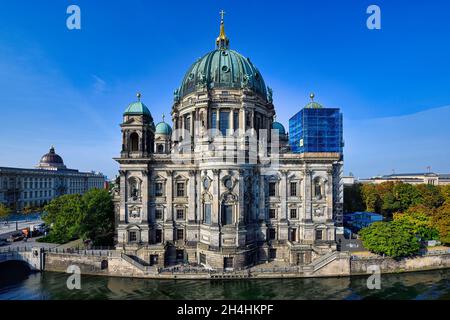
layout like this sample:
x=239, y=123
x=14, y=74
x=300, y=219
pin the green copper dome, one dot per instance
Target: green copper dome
x=278, y=126
x=137, y=108
x=222, y=69
x=163, y=128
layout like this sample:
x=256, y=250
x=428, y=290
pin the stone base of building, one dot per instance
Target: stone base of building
x=227, y=259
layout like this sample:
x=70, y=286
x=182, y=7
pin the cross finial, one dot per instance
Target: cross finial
x=138, y=95
x=163, y=116
x=222, y=13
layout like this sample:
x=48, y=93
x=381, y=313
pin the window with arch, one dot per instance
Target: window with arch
x=134, y=142
x=160, y=148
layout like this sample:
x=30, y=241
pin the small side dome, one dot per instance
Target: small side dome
x=137, y=108
x=278, y=126
x=163, y=128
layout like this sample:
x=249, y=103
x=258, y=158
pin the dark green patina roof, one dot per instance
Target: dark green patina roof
x=137, y=108
x=278, y=126
x=163, y=128
x=224, y=69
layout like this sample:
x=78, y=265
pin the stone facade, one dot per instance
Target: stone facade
x=223, y=190
x=21, y=188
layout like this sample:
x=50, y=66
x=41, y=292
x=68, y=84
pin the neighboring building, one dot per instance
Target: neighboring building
x=411, y=178
x=316, y=129
x=21, y=188
x=348, y=180
x=359, y=220
x=224, y=214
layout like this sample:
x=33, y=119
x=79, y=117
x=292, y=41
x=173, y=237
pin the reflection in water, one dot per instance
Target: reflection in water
x=423, y=285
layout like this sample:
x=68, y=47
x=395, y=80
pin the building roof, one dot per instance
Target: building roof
x=51, y=158
x=222, y=68
x=163, y=128
x=137, y=108
x=278, y=126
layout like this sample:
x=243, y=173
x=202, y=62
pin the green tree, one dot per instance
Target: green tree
x=65, y=215
x=4, y=211
x=90, y=216
x=430, y=195
x=445, y=192
x=419, y=222
x=441, y=221
x=406, y=196
x=390, y=238
x=98, y=223
x=371, y=198
x=353, y=198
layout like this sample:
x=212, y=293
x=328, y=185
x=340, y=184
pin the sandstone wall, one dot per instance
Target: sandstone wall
x=388, y=265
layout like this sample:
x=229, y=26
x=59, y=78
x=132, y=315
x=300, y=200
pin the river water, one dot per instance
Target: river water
x=48, y=285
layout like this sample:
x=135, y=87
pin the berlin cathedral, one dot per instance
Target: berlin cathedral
x=198, y=193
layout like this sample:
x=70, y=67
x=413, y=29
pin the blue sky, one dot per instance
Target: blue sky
x=69, y=88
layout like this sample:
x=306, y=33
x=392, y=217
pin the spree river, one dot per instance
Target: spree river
x=48, y=285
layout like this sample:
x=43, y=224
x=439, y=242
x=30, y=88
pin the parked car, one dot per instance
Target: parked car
x=39, y=229
x=16, y=237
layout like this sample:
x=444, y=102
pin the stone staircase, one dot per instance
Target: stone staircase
x=138, y=263
x=321, y=262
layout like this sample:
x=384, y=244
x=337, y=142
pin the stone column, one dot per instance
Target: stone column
x=231, y=128
x=145, y=192
x=191, y=196
x=308, y=195
x=199, y=208
x=283, y=194
x=217, y=119
x=169, y=195
x=168, y=223
x=216, y=195
x=123, y=196
x=242, y=190
x=242, y=117
x=329, y=194
x=262, y=198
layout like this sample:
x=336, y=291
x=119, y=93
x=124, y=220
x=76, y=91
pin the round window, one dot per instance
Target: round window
x=228, y=183
x=225, y=69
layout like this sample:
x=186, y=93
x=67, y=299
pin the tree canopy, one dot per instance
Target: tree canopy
x=4, y=211
x=88, y=216
x=393, y=239
x=424, y=208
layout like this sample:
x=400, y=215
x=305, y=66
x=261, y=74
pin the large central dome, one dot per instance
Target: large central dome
x=223, y=69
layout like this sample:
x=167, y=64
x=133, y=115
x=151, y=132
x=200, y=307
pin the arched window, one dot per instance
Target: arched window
x=134, y=141
x=160, y=148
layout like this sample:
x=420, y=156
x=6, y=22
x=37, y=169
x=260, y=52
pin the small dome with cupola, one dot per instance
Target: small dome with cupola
x=163, y=128
x=137, y=108
x=278, y=126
